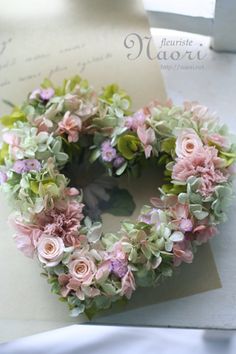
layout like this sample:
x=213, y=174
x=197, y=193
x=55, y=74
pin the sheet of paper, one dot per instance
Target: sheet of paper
x=57, y=39
x=60, y=38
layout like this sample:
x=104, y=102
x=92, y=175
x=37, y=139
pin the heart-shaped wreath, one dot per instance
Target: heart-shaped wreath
x=61, y=153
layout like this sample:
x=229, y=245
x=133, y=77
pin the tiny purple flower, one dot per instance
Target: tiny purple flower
x=119, y=160
x=46, y=94
x=119, y=268
x=186, y=225
x=22, y=166
x=108, y=152
x=35, y=94
x=146, y=218
x=33, y=165
x=3, y=177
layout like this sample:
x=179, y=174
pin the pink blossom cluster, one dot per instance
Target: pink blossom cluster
x=182, y=220
x=196, y=159
x=57, y=229
x=138, y=123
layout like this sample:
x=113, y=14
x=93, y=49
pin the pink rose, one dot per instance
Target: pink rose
x=83, y=269
x=50, y=250
x=187, y=143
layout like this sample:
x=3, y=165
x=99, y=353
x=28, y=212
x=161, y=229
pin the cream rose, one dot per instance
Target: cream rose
x=187, y=143
x=50, y=250
x=83, y=269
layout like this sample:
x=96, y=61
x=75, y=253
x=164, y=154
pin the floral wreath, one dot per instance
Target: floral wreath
x=61, y=132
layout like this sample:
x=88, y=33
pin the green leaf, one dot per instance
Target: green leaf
x=182, y=198
x=166, y=271
x=76, y=311
x=168, y=145
x=177, y=236
x=109, y=289
x=128, y=145
x=3, y=153
x=173, y=188
x=46, y=83
x=121, y=169
x=110, y=90
x=9, y=120
x=144, y=277
x=200, y=215
x=94, y=155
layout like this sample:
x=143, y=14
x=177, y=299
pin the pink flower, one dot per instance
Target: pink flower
x=62, y=221
x=3, y=177
x=118, y=252
x=83, y=269
x=63, y=280
x=180, y=211
x=209, y=180
x=11, y=139
x=204, y=233
x=135, y=121
x=24, y=244
x=71, y=125
x=128, y=284
x=43, y=124
x=26, y=237
x=147, y=138
x=68, y=283
x=71, y=192
x=203, y=163
x=217, y=140
x=108, y=152
x=50, y=250
x=187, y=143
x=14, y=144
x=182, y=253
x=200, y=114
x=180, y=214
